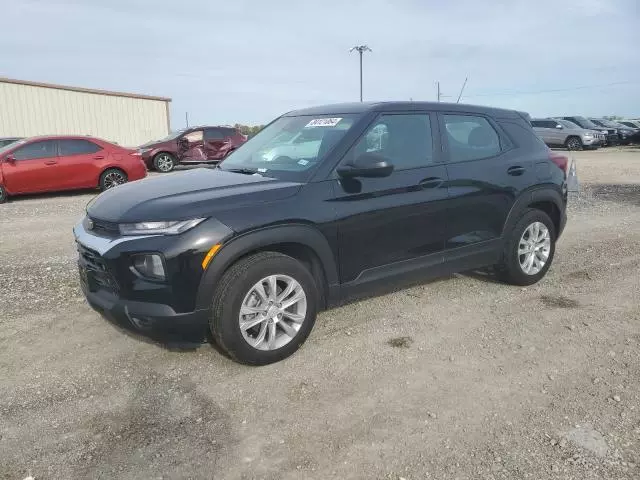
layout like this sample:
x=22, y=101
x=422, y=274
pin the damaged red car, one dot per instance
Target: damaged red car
x=191, y=146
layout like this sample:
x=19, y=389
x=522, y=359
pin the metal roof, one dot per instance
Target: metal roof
x=83, y=90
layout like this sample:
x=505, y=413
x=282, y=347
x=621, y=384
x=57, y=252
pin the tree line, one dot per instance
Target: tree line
x=248, y=130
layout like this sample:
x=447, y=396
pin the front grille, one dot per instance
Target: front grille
x=98, y=275
x=102, y=226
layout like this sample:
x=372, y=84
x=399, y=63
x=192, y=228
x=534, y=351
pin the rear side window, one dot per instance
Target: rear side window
x=470, y=137
x=213, y=134
x=77, y=147
x=42, y=149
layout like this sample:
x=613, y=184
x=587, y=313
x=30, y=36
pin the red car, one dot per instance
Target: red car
x=49, y=164
x=193, y=145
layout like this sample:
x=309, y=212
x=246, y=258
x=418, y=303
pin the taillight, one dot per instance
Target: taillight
x=560, y=160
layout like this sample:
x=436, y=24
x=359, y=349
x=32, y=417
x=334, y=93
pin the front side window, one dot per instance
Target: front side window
x=470, y=138
x=290, y=147
x=405, y=139
x=41, y=149
x=77, y=147
x=192, y=137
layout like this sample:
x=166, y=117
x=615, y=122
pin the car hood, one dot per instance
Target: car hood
x=156, y=143
x=183, y=195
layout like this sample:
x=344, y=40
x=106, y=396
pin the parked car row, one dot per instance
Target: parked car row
x=57, y=163
x=578, y=133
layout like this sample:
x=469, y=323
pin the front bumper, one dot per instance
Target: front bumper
x=142, y=315
x=114, y=289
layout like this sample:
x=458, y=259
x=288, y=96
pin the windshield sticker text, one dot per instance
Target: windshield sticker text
x=323, y=122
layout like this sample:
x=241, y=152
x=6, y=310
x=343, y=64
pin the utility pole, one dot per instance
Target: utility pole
x=462, y=89
x=186, y=118
x=360, y=49
x=438, y=83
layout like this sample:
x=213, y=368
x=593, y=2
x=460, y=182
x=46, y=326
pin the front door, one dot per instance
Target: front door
x=486, y=174
x=32, y=168
x=191, y=147
x=391, y=225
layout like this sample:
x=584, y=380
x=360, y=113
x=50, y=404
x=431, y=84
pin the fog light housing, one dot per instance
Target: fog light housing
x=149, y=265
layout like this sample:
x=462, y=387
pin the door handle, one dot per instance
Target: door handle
x=99, y=157
x=431, y=182
x=50, y=162
x=515, y=171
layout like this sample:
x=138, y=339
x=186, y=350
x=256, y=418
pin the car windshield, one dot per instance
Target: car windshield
x=628, y=124
x=584, y=123
x=172, y=135
x=11, y=145
x=607, y=123
x=290, y=147
x=568, y=124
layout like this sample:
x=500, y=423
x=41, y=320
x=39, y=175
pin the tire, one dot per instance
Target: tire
x=512, y=270
x=573, y=143
x=237, y=288
x=112, y=177
x=3, y=194
x=164, y=162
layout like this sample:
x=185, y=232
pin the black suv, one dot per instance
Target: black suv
x=383, y=194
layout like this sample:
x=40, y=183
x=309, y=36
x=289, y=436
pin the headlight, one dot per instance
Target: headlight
x=588, y=135
x=149, y=266
x=143, y=150
x=159, y=228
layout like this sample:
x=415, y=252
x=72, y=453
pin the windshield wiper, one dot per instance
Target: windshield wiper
x=245, y=171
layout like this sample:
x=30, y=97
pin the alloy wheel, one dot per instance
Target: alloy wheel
x=164, y=162
x=574, y=144
x=113, y=179
x=272, y=312
x=534, y=248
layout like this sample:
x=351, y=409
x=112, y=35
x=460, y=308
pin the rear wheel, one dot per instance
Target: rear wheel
x=529, y=249
x=112, y=178
x=164, y=162
x=3, y=194
x=574, y=143
x=264, y=308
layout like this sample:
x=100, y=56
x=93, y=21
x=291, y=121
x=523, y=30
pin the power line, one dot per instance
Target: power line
x=556, y=90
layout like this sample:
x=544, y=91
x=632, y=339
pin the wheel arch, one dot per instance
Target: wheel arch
x=548, y=200
x=302, y=242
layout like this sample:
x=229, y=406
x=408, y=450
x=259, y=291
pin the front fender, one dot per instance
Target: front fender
x=259, y=240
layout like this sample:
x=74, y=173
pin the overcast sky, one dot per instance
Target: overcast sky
x=248, y=61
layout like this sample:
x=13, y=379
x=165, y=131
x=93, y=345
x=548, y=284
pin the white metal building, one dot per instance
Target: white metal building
x=30, y=108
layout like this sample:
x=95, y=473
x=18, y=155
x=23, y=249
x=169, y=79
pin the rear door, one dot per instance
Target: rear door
x=79, y=163
x=215, y=143
x=486, y=174
x=33, y=168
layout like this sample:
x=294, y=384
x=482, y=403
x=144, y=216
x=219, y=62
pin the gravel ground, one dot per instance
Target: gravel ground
x=459, y=378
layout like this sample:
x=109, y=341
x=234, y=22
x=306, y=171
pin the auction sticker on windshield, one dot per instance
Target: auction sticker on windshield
x=323, y=122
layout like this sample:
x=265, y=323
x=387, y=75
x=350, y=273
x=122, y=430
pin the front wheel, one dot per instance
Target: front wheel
x=112, y=178
x=264, y=308
x=529, y=249
x=3, y=194
x=164, y=162
x=574, y=143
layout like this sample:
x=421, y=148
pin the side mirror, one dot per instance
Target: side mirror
x=367, y=165
x=10, y=159
x=559, y=127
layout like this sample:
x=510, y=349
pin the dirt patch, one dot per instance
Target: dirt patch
x=553, y=301
x=401, y=342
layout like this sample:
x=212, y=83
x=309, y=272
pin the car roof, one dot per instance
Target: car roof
x=364, y=107
x=63, y=137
